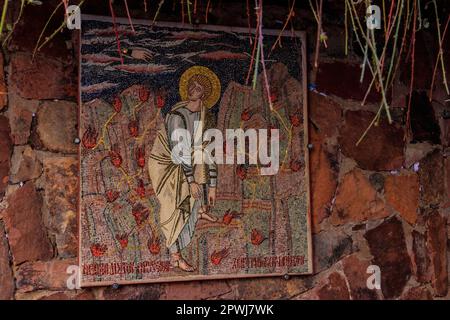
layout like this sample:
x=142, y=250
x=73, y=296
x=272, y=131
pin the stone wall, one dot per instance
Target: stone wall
x=384, y=202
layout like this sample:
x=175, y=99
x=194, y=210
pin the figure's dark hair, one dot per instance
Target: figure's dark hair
x=204, y=82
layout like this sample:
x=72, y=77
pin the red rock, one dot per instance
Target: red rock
x=402, y=193
x=61, y=199
x=432, y=178
x=141, y=292
x=388, y=247
x=424, y=57
x=5, y=154
x=335, y=289
x=70, y=295
x=20, y=114
x=417, y=293
x=295, y=286
x=196, y=290
x=83, y=295
x=342, y=79
x=447, y=180
x=335, y=38
x=355, y=270
x=323, y=181
x=381, y=148
x=264, y=288
x=42, y=79
x=356, y=200
x=329, y=247
x=57, y=126
x=49, y=275
x=421, y=260
x=25, y=38
x=25, y=165
x=377, y=180
x=424, y=125
x=3, y=88
x=56, y=296
x=325, y=114
x=6, y=274
x=415, y=152
x=446, y=132
x=27, y=237
x=437, y=248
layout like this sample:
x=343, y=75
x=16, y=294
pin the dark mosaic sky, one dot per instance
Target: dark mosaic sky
x=172, y=54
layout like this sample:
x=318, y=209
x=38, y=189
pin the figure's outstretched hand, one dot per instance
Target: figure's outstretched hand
x=195, y=189
x=142, y=54
x=212, y=196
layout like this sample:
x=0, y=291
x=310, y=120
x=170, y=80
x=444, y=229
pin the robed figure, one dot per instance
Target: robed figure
x=186, y=190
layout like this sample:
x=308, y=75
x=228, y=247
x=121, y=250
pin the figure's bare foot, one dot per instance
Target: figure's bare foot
x=177, y=261
x=204, y=215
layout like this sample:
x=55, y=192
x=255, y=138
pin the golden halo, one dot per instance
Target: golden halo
x=212, y=99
